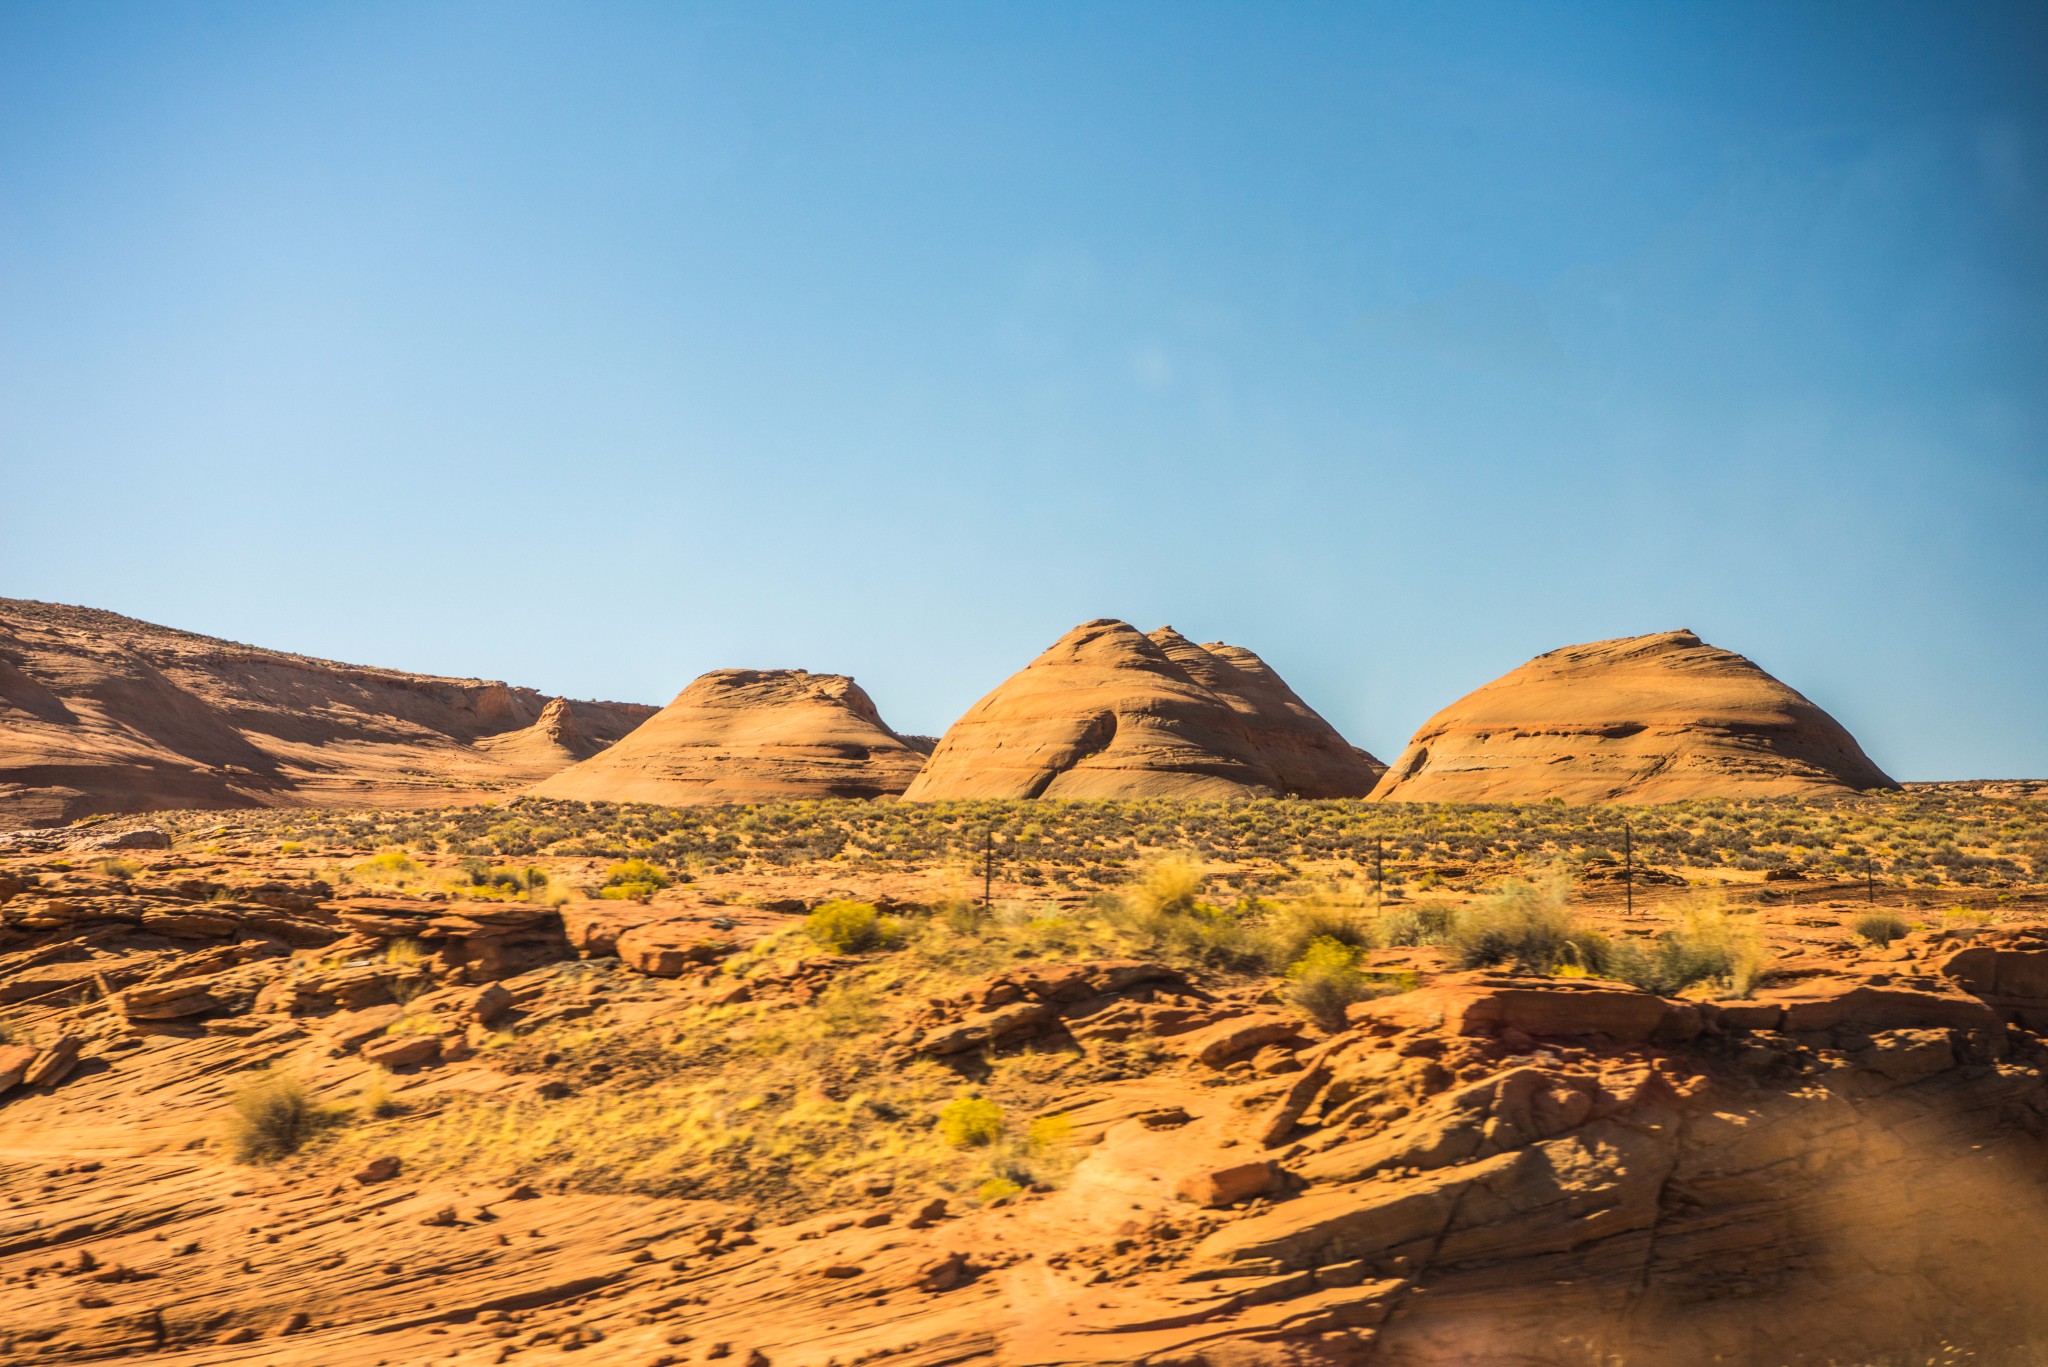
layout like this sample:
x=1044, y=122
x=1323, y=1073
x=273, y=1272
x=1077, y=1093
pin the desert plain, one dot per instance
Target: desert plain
x=1630, y=1015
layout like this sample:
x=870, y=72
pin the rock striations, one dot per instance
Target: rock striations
x=750, y=735
x=102, y=713
x=1642, y=719
x=1110, y=712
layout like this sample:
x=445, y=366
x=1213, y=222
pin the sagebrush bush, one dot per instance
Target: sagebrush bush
x=971, y=1121
x=1164, y=911
x=1409, y=926
x=273, y=1115
x=633, y=880
x=997, y=1191
x=1881, y=927
x=852, y=927
x=1290, y=930
x=1527, y=927
x=1326, y=979
x=1049, y=1132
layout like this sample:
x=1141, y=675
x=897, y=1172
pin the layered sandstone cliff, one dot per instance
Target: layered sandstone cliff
x=1640, y=719
x=102, y=713
x=750, y=735
x=1110, y=712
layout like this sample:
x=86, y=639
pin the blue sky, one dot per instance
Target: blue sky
x=594, y=345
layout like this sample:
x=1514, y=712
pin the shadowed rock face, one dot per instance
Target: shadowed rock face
x=102, y=713
x=750, y=735
x=1110, y=712
x=1641, y=719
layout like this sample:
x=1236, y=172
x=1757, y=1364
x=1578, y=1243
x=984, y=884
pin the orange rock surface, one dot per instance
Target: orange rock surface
x=750, y=735
x=1110, y=712
x=102, y=713
x=1641, y=719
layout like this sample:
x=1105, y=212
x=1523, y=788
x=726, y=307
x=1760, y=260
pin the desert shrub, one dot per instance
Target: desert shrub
x=1527, y=927
x=1164, y=912
x=971, y=1121
x=1881, y=927
x=123, y=869
x=852, y=927
x=632, y=880
x=997, y=1191
x=1326, y=979
x=1707, y=945
x=1405, y=926
x=1049, y=1132
x=1294, y=928
x=291, y=847
x=273, y=1115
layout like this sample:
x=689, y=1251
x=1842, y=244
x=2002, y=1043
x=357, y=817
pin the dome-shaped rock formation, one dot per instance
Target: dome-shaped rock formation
x=1110, y=712
x=750, y=735
x=554, y=740
x=1641, y=719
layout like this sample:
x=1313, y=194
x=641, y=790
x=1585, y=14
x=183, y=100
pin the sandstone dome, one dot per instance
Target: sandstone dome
x=1653, y=718
x=1111, y=712
x=750, y=735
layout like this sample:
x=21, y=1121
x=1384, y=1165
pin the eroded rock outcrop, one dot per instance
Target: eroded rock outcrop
x=750, y=735
x=1640, y=719
x=1110, y=712
x=102, y=713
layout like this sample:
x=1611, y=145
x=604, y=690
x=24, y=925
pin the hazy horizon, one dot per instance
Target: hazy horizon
x=594, y=347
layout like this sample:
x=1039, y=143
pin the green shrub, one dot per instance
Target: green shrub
x=1707, y=945
x=1049, y=1132
x=632, y=880
x=273, y=1116
x=1406, y=926
x=971, y=1121
x=1290, y=932
x=997, y=1191
x=852, y=927
x=1326, y=979
x=1164, y=911
x=1881, y=927
x=1526, y=927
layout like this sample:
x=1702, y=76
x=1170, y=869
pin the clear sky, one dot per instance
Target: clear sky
x=594, y=345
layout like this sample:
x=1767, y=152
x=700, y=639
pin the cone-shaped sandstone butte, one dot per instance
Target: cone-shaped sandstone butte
x=1109, y=712
x=1641, y=719
x=750, y=735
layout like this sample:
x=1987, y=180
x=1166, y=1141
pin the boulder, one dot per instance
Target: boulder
x=1640, y=719
x=1219, y=1187
x=54, y=1063
x=669, y=949
x=403, y=1051
x=14, y=1064
x=1110, y=712
x=1488, y=1003
x=161, y=1001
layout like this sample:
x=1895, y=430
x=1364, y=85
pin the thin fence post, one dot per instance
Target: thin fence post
x=1628, y=868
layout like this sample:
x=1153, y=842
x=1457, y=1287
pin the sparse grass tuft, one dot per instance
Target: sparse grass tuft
x=1880, y=928
x=273, y=1116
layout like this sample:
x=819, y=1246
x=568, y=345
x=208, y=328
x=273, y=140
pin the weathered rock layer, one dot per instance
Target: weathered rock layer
x=1641, y=719
x=750, y=735
x=102, y=713
x=1110, y=712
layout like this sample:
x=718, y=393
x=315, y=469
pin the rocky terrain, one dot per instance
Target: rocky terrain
x=101, y=713
x=775, y=1111
x=751, y=735
x=1640, y=719
x=1110, y=712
